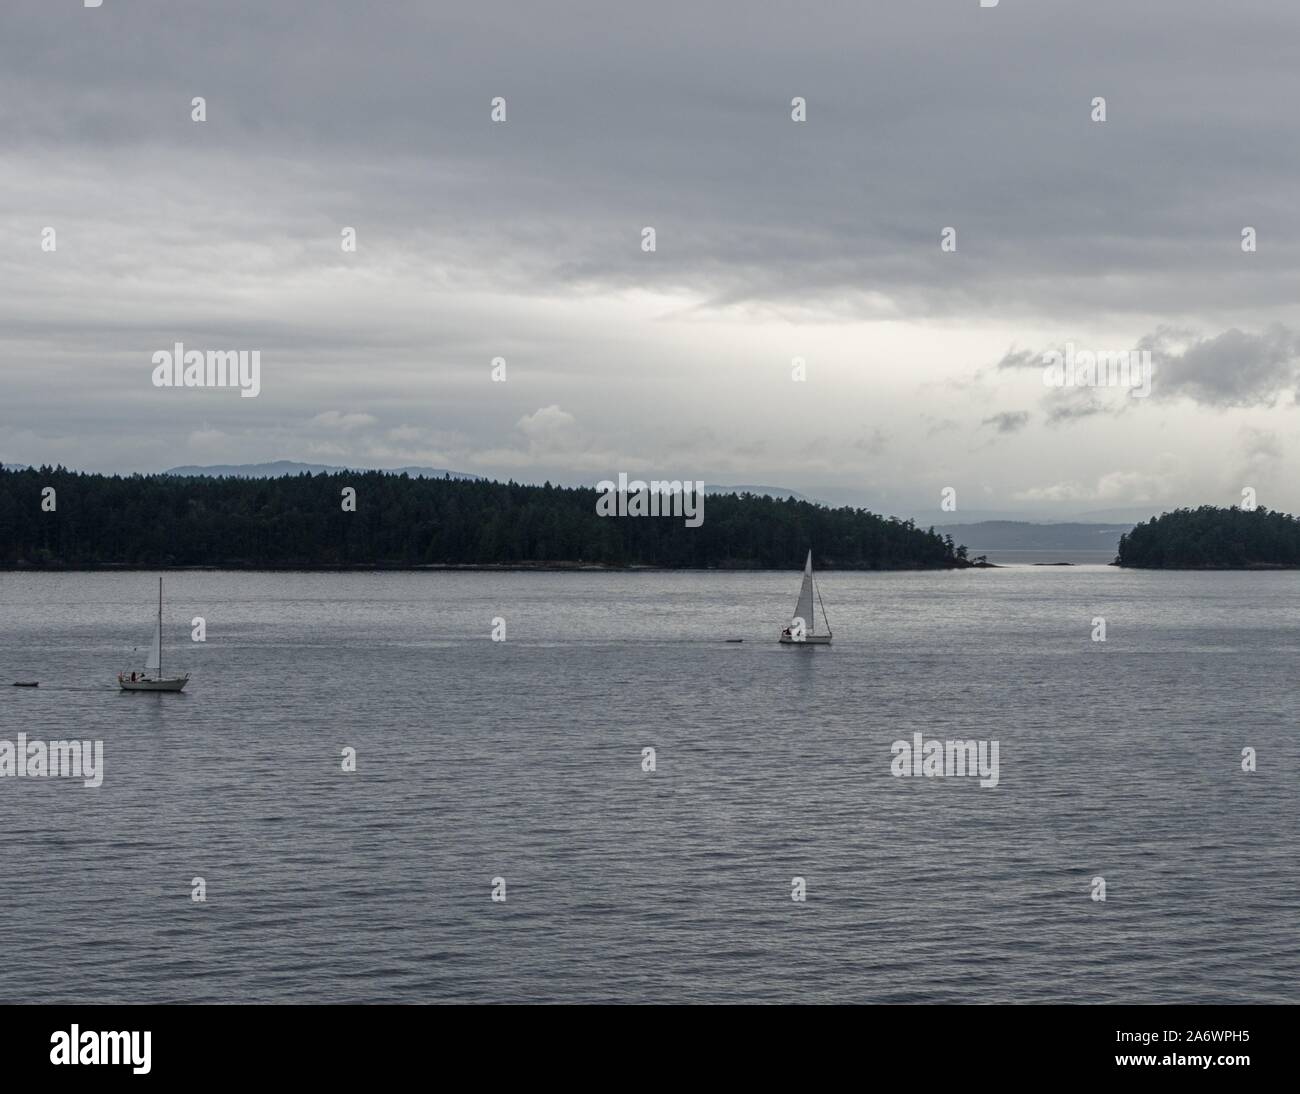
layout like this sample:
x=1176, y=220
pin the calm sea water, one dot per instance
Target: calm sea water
x=522, y=759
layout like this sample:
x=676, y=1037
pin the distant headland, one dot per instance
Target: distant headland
x=1211, y=538
x=53, y=518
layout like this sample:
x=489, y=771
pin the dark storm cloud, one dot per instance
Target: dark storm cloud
x=1232, y=369
x=1235, y=368
x=1020, y=358
x=1067, y=405
x=1009, y=421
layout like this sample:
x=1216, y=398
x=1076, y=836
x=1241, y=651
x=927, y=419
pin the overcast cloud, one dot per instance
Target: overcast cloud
x=775, y=240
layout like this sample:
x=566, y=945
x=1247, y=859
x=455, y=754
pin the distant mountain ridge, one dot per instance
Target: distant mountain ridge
x=279, y=468
x=1029, y=541
x=965, y=517
x=761, y=491
x=778, y=492
x=1026, y=535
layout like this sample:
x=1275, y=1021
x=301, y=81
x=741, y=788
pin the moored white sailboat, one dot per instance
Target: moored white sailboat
x=803, y=629
x=152, y=678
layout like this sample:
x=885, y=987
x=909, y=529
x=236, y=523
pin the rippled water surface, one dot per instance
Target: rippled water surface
x=522, y=759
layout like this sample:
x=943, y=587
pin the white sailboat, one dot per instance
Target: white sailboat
x=803, y=629
x=152, y=679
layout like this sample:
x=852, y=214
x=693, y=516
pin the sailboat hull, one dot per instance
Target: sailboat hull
x=807, y=640
x=153, y=685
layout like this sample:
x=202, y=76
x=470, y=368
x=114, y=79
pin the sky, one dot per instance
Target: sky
x=800, y=321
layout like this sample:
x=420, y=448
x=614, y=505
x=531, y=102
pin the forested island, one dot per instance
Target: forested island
x=1210, y=538
x=95, y=521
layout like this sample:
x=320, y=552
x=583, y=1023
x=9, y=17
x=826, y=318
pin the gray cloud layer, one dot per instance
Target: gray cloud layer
x=1232, y=369
x=521, y=240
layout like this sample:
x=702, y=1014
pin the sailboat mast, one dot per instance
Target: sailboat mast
x=160, y=671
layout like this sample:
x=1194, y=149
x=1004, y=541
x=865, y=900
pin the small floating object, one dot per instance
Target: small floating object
x=27, y=683
x=735, y=640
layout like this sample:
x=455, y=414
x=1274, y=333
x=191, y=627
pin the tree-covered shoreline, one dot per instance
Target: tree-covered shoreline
x=1213, y=538
x=299, y=522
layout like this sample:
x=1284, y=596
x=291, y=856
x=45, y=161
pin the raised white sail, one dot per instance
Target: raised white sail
x=153, y=662
x=804, y=608
x=803, y=629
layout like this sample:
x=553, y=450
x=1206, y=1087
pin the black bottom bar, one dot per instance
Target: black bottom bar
x=1237, y=1044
